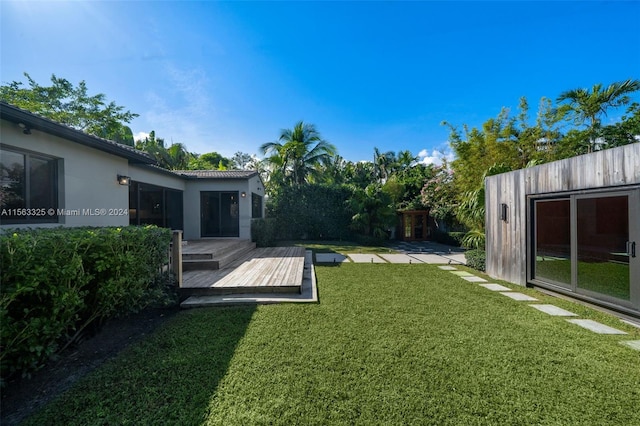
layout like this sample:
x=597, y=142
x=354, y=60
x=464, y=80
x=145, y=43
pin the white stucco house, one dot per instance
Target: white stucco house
x=53, y=175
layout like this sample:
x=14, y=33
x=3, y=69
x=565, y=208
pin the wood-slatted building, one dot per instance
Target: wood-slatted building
x=571, y=226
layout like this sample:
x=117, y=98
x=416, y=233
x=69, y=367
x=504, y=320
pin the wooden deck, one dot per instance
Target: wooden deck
x=274, y=269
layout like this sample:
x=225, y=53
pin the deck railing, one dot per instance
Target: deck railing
x=175, y=256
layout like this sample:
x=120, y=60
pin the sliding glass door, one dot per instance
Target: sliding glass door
x=219, y=214
x=553, y=237
x=587, y=244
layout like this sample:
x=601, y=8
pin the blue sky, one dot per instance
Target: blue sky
x=227, y=76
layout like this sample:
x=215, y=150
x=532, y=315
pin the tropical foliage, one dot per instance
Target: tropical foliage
x=294, y=158
x=586, y=107
x=73, y=106
x=308, y=183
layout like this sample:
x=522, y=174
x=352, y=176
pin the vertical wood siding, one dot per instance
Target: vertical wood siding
x=507, y=241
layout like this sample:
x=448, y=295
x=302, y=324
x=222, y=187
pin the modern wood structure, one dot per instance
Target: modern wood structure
x=571, y=226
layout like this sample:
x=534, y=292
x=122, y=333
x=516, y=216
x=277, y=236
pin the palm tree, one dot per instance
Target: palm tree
x=297, y=153
x=383, y=164
x=587, y=106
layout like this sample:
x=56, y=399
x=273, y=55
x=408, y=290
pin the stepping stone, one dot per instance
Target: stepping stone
x=431, y=258
x=521, y=297
x=462, y=273
x=330, y=258
x=399, y=258
x=554, y=311
x=595, y=326
x=447, y=268
x=633, y=344
x=365, y=258
x=474, y=279
x=495, y=287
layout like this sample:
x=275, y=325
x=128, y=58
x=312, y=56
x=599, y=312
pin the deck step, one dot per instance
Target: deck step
x=217, y=259
x=219, y=291
x=199, y=264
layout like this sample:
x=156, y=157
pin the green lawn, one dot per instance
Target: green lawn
x=342, y=247
x=387, y=344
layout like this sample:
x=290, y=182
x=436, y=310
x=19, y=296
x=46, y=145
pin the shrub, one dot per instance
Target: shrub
x=317, y=212
x=474, y=239
x=476, y=259
x=56, y=283
x=263, y=232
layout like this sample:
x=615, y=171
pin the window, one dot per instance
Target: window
x=28, y=187
x=256, y=206
x=155, y=205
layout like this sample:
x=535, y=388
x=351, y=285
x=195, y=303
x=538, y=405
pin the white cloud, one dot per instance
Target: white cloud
x=435, y=157
x=140, y=136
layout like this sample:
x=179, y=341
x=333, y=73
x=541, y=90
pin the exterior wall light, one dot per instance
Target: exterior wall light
x=124, y=180
x=504, y=212
x=243, y=194
x=25, y=129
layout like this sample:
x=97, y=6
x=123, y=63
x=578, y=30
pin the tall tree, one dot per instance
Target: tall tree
x=175, y=157
x=586, y=107
x=241, y=161
x=297, y=153
x=383, y=164
x=73, y=106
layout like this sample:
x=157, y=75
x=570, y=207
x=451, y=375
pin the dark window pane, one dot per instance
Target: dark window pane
x=603, y=232
x=12, y=189
x=133, y=203
x=256, y=206
x=174, y=209
x=553, y=241
x=151, y=209
x=42, y=183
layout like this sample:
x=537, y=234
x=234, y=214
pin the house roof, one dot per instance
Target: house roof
x=36, y=122
x=217, y=174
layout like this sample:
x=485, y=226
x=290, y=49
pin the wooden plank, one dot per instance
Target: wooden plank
x=276, y=267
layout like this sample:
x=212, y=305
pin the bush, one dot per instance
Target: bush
x=263, y=232
x=448, y=238
x=315, y=212
x=476, y=259
x=56, y=283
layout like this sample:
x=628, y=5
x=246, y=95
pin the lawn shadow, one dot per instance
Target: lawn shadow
x=172, y=377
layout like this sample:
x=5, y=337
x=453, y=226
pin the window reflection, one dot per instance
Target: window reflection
x=553, y=241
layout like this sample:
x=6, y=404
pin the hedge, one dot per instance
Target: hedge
x=315, y=212
x=57, y=283
x=476, y=259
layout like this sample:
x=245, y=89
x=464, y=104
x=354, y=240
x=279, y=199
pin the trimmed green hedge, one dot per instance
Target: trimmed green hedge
x=476, y=259
x=314, y=212
x=56, y=283
x=263, y=232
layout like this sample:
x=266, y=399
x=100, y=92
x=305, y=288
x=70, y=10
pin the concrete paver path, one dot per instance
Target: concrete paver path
x=365, y=258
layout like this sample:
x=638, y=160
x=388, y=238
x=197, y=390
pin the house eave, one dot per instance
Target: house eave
x=35, y=122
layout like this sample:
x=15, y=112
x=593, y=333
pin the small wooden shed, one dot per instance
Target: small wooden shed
x=571, y=226
x=414, y=225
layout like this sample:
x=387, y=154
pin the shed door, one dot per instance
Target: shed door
x=606, y=243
